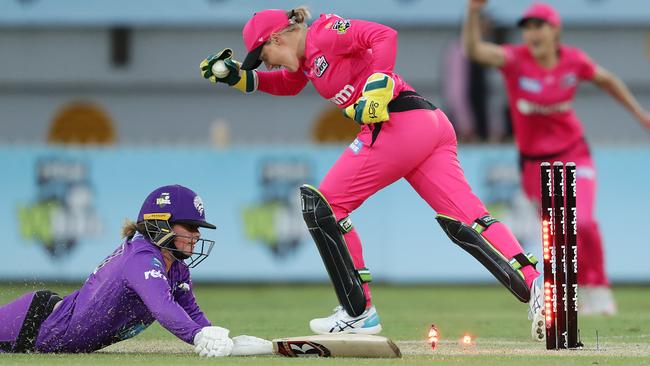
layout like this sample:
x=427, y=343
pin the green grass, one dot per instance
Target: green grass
x=497, y=322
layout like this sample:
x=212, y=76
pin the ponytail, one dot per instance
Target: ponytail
x=299, y=15
x=130, y=228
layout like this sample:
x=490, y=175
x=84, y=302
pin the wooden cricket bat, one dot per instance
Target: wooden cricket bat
x=337, y=345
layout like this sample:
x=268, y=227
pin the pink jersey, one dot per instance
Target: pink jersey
x=340, y=54
x=544, y=121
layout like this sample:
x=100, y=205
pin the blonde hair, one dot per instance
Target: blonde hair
x=129, y=228
x=297, y=19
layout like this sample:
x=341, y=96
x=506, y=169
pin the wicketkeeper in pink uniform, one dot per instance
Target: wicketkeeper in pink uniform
x=350, y=62
x=541, y=77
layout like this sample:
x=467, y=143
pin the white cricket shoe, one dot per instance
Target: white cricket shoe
x=340, y=323
x=596, y=300
x=536, y=312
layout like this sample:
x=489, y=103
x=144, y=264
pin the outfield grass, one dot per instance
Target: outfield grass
x=497, y=322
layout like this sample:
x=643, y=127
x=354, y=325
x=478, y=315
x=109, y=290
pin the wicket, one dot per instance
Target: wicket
x=560, y=255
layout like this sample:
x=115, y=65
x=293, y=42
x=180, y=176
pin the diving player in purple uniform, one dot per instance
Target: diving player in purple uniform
x=146, y=278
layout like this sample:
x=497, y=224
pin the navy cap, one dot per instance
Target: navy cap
x=176, y=204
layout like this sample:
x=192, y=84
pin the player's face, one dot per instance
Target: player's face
x=540, y=37
x=280, y=51
x=186, y=237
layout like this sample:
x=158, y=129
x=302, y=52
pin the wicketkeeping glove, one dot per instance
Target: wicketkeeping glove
x=243, y=80
x=213, y=342
x=372, y=107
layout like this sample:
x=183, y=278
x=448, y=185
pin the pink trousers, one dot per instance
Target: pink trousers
x=420, y=146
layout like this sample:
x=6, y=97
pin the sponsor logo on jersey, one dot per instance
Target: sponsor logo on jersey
x=356, y=146
x=530, y=84
x=156, y=262
x=154, y=273
x=568, y=80
x=343, y=96
x=527, y=107
x=320, y=65
x=163, y=200
x=341, y=26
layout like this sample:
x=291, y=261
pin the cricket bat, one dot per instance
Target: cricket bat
x=337, y=345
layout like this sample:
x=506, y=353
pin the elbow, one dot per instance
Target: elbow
x=469, y=48
x=389, y=34
x=469, y=51
x=392, y=33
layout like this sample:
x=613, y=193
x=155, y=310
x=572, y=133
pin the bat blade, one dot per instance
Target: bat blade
x=337, y=345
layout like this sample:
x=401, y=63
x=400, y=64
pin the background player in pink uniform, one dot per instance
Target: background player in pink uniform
x=350, y=63
x=541, y=78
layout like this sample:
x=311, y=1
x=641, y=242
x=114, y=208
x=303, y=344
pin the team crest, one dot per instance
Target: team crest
x=320, y=65
x=341, y=26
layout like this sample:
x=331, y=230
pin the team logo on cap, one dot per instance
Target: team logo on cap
x=163, y=200
x=198, y=204
x=341, y=26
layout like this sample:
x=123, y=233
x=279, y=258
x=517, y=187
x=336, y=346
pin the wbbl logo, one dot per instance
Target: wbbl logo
x=274, y=218
x=63, y=210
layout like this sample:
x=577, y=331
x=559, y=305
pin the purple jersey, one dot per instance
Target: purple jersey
x=122, y=297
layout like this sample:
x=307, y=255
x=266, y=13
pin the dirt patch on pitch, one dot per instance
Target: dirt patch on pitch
x=421, y=348
x=149, y=346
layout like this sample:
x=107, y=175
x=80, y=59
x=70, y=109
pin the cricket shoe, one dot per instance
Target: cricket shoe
x=340, y=322
x=536, y=312
x=596, y=300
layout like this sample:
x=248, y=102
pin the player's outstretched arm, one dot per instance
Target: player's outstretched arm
x=613, y=85
x=475, y=48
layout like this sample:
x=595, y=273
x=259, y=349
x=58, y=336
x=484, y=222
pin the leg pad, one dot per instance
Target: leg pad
x=327, y=234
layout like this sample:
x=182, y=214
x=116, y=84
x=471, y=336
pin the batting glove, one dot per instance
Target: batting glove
x=213, y=342
x=245, y=345
x=243, y=80
x=372, y=107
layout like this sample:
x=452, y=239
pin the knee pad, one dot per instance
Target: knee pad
x=40, y=308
